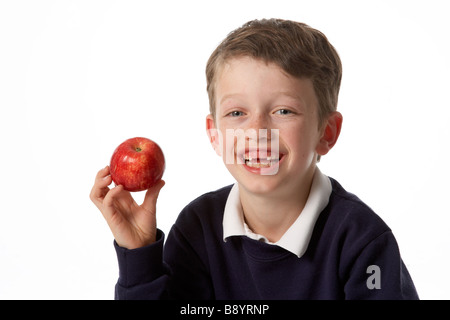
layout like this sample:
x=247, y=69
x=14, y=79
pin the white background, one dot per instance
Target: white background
x=79, y=77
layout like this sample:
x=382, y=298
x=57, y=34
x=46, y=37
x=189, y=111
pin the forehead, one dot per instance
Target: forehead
x=254, y=78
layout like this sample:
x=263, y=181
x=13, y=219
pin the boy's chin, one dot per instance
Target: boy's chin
x=262, y=182
x=258, y=187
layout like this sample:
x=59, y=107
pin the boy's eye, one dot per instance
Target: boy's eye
x=236, y=113
x=283, y=111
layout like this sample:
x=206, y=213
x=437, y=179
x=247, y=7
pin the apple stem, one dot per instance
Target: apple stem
x=138, y=149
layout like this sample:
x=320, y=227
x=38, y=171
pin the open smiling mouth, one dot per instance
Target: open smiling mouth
x=266, y=163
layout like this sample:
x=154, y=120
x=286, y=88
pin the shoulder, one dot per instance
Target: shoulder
x=205, y=209
x=352, y=216
x=347, y=228
x=209, y=202
x=213, y=198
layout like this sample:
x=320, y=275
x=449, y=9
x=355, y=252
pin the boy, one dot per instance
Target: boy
x=283, y=230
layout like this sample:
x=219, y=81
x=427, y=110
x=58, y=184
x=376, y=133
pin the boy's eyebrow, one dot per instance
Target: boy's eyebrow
x=228, y=96
x=281, y=93
x=290, y=95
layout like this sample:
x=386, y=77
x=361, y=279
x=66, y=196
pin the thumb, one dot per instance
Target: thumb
x=151, y=196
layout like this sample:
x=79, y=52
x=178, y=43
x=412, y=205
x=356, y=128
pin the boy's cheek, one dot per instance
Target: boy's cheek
x=216, y=140
x=226, y=149
x=228, y=154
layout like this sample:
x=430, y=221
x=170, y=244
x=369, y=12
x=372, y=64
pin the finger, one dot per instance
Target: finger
x=107, y=208
x=103, y=182
x=102, y=173
x=151, y=196
x=100, y=188
x=112, y=195
x=100, y=179
x=99, y=191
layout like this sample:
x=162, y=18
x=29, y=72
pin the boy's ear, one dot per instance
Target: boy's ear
x=214, y=135
x=330, y=133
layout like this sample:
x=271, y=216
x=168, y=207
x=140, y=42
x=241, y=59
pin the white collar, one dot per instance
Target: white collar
x=296, y=238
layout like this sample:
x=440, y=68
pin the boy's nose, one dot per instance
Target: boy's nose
x=260, y=125
x=259, y=121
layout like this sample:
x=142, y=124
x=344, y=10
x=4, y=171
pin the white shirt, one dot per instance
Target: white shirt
x=297, y=237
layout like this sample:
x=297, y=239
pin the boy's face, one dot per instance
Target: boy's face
x=252, y=95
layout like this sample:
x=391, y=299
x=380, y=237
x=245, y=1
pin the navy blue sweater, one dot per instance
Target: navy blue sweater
x=195, y=262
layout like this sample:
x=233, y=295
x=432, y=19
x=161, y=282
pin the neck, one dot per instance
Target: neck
x=272, y=215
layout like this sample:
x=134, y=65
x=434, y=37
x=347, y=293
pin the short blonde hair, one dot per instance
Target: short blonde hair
x=298, y=49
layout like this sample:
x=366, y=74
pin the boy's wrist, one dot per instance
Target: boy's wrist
x=142, y=264
x=137, y=244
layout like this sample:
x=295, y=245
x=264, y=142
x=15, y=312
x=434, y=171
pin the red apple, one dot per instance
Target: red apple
x=137, y=164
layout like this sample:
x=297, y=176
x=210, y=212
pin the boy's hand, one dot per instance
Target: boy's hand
x=132, y=225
